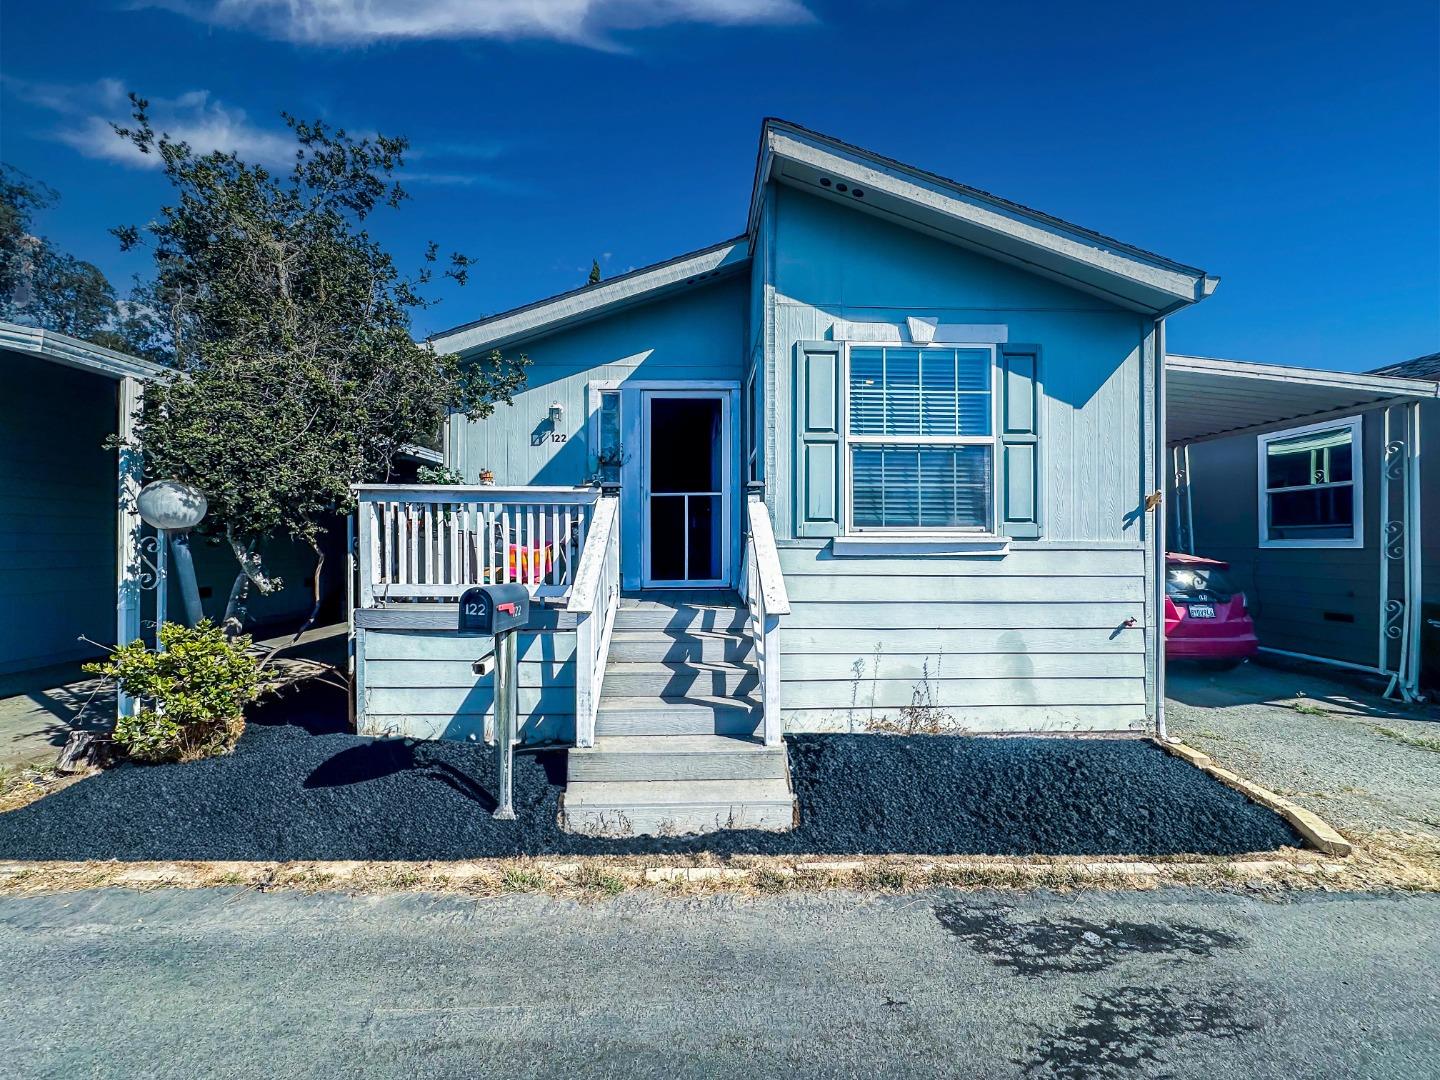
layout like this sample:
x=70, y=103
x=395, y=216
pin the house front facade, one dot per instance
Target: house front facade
x=886, y=461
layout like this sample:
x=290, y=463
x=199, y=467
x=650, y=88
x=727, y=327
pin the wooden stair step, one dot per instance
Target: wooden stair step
x=691, y=715
x=680, y=679
x=672, y=808
x=678, y=757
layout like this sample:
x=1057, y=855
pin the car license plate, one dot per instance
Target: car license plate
x=1202, y=611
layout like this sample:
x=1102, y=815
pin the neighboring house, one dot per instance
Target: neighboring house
x=64, y=543
x=71, y=570
x=913, y=424
x=1311, y=485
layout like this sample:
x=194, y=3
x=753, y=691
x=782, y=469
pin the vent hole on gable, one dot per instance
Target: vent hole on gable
x=842, y=188
x=858, y=193
x=824, y=181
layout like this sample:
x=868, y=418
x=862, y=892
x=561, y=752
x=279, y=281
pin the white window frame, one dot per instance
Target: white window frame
x=992, y=440
x=1356, y=484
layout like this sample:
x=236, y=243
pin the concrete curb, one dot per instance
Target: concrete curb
x=1316, y=831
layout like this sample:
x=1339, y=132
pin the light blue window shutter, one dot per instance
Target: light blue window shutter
x=1020, y=441
x=818, y=441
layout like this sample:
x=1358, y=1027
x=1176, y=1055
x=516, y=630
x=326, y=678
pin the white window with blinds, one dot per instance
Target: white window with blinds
x=920, y=451
x=1310, y=486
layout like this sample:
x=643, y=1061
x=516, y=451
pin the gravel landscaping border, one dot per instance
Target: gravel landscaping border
x=298, y=789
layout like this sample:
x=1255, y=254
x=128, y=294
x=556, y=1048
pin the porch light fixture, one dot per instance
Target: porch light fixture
x=172, y=509
x=557, y=413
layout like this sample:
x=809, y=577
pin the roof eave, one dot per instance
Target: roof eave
x=593, y=301
x=73, y=352
x=1008, y=231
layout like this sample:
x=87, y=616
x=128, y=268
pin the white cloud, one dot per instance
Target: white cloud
x=363, y=22
x=86, y=112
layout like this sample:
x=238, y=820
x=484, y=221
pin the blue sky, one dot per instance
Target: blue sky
x=1293, y=149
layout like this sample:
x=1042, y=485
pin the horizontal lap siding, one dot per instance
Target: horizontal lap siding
x=418, y=684
x=1033, y=640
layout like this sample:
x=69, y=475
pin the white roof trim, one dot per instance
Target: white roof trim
x=1383, y=385
x=1136, y=277
x=72, y=352
x=1213, y=399
x=589, y=302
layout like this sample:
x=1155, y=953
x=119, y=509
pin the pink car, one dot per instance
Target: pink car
x=1205, y=617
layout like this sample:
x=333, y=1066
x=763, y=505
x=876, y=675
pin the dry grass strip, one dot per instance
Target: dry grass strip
x=1317, y=832
x=1381, y=861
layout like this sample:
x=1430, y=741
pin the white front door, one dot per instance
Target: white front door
x=686, y=488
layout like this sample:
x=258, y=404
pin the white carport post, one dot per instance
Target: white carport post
x=128, y=526
x=1399, y=544
x=1184, y=505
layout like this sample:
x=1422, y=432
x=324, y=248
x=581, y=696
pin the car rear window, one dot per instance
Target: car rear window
x=1196, y=581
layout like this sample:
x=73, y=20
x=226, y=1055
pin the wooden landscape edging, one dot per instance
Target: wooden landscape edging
x=1317, y=832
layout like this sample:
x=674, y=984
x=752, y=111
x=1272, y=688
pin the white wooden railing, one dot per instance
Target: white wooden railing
x=594, y=598
x=767, y=600
x=430, y=542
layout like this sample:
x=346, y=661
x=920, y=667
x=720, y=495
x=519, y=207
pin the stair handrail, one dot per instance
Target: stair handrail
x=767, y=599
x=594, y=599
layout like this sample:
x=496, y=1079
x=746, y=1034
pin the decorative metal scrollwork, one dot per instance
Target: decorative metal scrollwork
x=1394, y=619
x=1395, y=453
x=1394, y=539
x=148, y=570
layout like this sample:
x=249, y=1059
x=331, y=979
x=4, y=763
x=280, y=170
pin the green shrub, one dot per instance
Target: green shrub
x=192, y=693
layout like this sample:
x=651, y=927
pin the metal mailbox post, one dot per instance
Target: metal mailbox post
x=499, y=611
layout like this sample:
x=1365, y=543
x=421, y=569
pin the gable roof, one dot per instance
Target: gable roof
x=592, y=301
x=1422, y=367
x=872, y=183
x=1041, y=243
x=72, y=352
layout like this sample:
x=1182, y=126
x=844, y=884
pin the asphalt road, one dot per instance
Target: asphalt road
x=222, y=983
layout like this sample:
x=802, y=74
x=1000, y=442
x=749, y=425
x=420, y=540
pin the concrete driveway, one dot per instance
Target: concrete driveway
x=1358, y=760
x=225, y=983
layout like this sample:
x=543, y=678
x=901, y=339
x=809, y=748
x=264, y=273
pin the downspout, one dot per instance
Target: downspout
x=1158, y=526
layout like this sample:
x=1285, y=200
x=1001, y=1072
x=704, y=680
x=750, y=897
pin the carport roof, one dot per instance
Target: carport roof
x=1210, y=399
x=72, y=352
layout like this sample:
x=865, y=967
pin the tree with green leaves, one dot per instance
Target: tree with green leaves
x=594, y=272
x=45, y=287
x=289, y=326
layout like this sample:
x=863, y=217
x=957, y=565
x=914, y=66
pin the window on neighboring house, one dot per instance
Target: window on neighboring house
x=920, y=438
x=1310, y=486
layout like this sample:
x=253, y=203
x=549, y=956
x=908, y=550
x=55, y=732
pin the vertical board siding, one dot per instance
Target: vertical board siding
x=1318, y=601
x=418, y=684
x=1031, y=641
x=57, y=513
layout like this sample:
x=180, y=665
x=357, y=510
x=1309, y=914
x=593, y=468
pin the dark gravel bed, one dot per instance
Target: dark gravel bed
x=294, y=790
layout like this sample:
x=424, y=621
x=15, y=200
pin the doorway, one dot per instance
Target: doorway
x=686, y=488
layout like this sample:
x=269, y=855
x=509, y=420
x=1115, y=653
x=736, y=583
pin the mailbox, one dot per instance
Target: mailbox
x=494, y=609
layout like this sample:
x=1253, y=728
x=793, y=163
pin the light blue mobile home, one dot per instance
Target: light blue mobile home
x=888, y=460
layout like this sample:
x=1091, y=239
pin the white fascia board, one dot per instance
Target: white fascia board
x=1380, y=385
x=975, y=209
x=72, y=352
x=593, y=300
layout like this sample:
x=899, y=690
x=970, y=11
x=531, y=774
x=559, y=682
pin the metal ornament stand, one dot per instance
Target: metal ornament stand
x=1400, y=552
